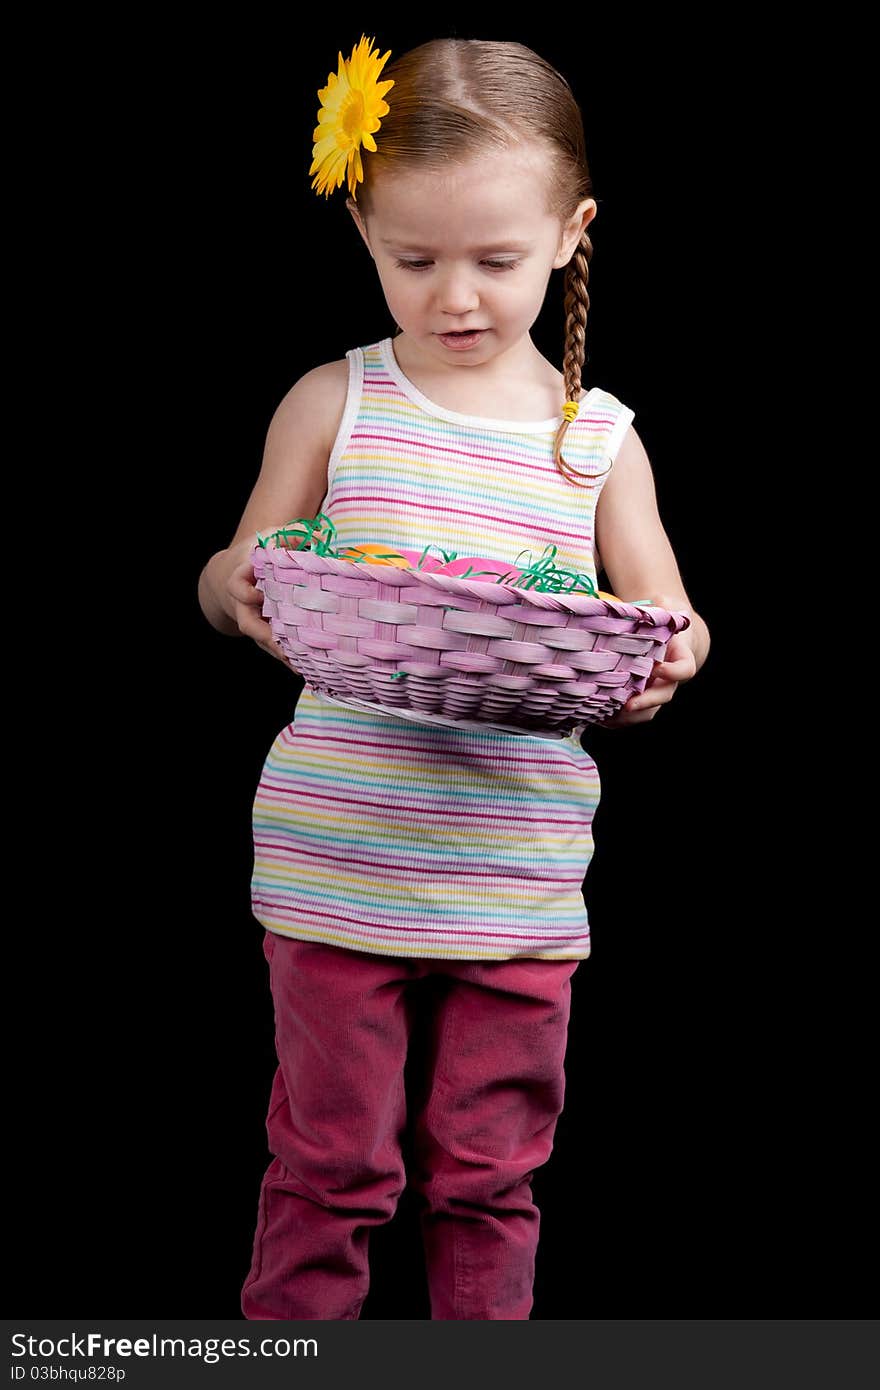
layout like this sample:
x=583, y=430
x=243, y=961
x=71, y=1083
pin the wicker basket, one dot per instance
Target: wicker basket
x=462, y=652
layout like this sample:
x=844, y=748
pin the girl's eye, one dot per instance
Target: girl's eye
x=493, y=265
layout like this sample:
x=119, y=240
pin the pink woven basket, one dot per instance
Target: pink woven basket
x=462, y=652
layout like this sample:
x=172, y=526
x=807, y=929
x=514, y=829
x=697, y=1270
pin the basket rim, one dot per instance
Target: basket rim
x=475, y=588
x=446, y=721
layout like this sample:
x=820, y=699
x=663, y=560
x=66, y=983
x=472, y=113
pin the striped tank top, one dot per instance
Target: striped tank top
x=380, y=834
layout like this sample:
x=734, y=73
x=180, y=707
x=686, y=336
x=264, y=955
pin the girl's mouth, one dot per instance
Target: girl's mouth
x=461, y=340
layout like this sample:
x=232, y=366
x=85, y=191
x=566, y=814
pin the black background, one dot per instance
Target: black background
x=708, y=1159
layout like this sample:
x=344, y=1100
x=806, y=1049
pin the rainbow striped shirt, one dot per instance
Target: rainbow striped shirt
x=384, y=835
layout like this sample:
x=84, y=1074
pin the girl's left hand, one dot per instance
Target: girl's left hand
x=678, y=665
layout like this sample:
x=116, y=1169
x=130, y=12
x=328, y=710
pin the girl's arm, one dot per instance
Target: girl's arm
x=639, y=561
x=292, y=483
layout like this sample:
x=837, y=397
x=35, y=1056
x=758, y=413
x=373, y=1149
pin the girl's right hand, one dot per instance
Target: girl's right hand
x=245, y=602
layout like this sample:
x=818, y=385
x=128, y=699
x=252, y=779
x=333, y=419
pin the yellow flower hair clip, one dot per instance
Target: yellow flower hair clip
x=348, y=117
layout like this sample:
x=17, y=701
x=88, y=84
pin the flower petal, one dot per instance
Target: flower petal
x=349, y=115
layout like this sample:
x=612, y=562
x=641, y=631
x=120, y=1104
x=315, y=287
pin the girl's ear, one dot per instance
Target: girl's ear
x=359, y=221
x=574, y=230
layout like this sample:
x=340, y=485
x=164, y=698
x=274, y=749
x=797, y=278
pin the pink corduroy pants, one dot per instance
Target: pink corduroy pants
x=490, y=1100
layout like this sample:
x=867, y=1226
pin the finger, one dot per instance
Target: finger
x=247, y=567
x=274, y=648
x=643, y=706
x=627, y=716
x=244, y=592
x=249, y=625
x=676, y=670
x=659, y=694
x=624, y=720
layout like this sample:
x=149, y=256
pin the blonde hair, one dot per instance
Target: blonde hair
x=453, y=98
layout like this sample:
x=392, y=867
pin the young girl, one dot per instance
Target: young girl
x=390, y=852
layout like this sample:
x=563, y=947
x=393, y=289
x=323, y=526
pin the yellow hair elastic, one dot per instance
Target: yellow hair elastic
x=570, y=410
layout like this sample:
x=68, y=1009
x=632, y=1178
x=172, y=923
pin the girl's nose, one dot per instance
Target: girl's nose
x=457, y=293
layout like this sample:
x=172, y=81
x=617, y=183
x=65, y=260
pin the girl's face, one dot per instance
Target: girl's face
x=469, y=249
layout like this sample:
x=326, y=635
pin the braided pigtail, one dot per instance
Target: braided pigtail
x=576, y=305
